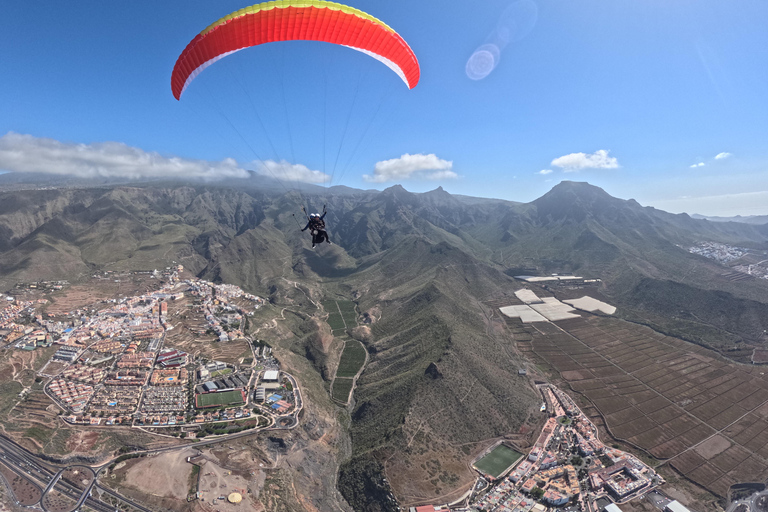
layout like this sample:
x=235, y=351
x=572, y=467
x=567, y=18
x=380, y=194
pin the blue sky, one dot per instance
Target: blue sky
x=636, y=97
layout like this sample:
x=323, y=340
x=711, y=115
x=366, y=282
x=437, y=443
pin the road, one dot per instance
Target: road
x=758, y=502
x=47, y=476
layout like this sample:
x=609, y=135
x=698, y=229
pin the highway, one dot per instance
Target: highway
x=47, y=476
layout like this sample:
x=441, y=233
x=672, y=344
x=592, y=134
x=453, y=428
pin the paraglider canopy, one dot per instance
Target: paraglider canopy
x=286, y=20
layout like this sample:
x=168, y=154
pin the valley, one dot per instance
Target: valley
x=396, y=368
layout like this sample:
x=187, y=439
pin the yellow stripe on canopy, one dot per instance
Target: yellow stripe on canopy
x=282, y=4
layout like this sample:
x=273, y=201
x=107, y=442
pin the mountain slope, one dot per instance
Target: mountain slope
x=441, y=383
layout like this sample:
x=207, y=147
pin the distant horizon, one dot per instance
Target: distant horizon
x=435, y=187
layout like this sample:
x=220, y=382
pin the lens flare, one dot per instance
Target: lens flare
x=516, y=22
x=483, y=61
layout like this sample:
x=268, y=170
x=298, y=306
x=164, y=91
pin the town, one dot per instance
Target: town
x=115, y=366
x=744, y=262
x=568, y=468
x=124, y=362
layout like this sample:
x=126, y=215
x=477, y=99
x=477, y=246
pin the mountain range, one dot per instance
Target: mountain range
x=747, y=219
x=421, y=268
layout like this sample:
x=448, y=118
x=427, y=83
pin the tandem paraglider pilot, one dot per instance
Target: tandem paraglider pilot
x=316, y=226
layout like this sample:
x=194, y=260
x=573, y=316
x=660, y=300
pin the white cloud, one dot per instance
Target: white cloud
x=419, y=166
x=286, y=171
x=26, y=153
x=722, y=156
x=576, y=161
x=545, y=171
x=700, y=164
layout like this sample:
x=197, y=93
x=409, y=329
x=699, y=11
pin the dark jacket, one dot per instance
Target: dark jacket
x=316, y=223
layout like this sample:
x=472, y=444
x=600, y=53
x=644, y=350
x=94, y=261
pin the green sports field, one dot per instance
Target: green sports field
x=498, y=461
x=223, y=399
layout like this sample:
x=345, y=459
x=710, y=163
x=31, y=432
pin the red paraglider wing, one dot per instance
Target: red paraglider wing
x=285, y=20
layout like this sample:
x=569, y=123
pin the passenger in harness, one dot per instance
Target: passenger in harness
x=316, y=226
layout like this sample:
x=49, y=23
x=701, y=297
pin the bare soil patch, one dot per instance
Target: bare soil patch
x=216, y=480
x=53, y=368
x=713, y=446
x=164, y=475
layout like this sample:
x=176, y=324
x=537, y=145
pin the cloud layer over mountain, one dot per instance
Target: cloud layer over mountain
x=26, y=153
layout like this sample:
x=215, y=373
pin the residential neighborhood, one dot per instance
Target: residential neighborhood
x=115, y=363
x=568, y=466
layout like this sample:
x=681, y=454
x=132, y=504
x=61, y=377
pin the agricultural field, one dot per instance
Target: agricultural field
x=342, y=316
x=348, y=313
x=680, y=402
x=29, y=419
x=497, y=461
x=341, y=389
x=335, y=319
x=352, y=359
x=223, y=399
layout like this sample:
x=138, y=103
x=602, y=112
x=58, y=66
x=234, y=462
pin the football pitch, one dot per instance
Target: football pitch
x=498, y=461
x=223, y=399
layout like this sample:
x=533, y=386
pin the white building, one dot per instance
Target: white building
x=676, y=506
x=271, y=376
x=270, y=380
